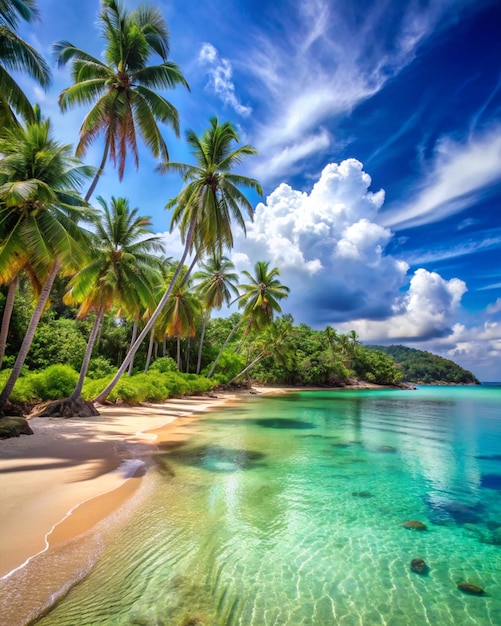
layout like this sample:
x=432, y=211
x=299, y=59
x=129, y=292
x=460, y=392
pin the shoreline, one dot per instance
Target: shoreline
x=47, y=478
x=64, y=487
x=68, y=486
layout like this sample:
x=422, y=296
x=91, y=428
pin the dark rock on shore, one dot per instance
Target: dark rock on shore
x=14, y=427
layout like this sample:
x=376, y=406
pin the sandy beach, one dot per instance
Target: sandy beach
x=59, y=483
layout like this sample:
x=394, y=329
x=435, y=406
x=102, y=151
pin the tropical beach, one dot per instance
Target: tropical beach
x=71, y=474
x=249, y=289
x=317, y=493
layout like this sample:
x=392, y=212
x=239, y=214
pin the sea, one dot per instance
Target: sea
x=294, y=509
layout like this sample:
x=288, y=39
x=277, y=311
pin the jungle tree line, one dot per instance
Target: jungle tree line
x=106, y=257
x=48, y=228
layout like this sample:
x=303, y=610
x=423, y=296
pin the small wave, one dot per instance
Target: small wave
x=132, y=468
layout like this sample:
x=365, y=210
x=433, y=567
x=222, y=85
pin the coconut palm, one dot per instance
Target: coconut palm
x=259, y=301
x=121, y=87
x=40, y=211
x=17, y=55
x=276, y=341
x=121, y=270
x=217, y=283
x=178, y=316
x=205, y=207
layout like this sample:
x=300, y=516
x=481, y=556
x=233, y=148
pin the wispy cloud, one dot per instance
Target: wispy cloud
x=433, y=255
x=459, y=176
x=220, y=78
x=333, y=61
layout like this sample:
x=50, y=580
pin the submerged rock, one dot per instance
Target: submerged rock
x=470, y=588
x=414, y=525
x=419, y=566
x=387, y=449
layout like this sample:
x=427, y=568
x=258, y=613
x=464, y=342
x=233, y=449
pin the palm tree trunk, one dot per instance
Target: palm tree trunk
x=202, y=337
x=188, y=350
x=133, y=349
x=77, y=392
x=178, y=353
x=133, y=339
x=7, y=314
x=250, y=366
x=230, y=335
x=150, y=349
x=164, y=346
x=28, y=338
x=99, y=171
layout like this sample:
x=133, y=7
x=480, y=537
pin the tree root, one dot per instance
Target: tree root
x=65, y=408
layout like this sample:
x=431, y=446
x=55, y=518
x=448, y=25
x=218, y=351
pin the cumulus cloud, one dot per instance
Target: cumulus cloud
x=220, y=78
x=328, y=246
x=428, y=310
x=494, y=308
x=460, y=175
x=476, y=348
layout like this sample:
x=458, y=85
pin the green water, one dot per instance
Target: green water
x=288, y=510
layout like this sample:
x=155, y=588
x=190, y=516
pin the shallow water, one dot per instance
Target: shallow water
x=289, y=509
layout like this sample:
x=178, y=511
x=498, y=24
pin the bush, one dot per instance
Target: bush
x=164, y=364
x=57, y=341
x=99, y=367
x=154, y=386
x=53, y=383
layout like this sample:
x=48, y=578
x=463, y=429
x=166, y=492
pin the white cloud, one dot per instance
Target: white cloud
x=476, y=348
x=333, y=61
x=427, y=310
x=494, y=308
x=328, y=246
x=220, y=73
x=458, y=177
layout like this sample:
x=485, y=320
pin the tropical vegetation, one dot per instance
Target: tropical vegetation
x=82, y=287
x=424, y=367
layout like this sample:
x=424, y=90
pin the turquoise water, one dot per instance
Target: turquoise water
x=288, y=510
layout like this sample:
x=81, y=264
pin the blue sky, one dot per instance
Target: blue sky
x=378, y=126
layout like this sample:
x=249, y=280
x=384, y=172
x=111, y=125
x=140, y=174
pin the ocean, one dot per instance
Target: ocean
x=294, y=510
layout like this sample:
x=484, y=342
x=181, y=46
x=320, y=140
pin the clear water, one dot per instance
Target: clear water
x=288, y=510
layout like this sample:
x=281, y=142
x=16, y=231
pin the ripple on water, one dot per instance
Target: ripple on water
x=287, y=535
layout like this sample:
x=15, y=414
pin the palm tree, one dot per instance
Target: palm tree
x=259, y=300
x=121, y=88
x=178, y=316
x=275, y=341
x=349, y=344
x=217, y=283
x=40, y=211
x=204, y=208
x=121, y=270
x=17, y=55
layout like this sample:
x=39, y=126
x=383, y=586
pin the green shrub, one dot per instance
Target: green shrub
x=164, y=364
x=99, y=367
x=24, y=390
x=53, y=383
x=92, y=388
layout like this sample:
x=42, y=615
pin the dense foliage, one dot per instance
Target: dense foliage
x=424, y=367
x=85, y=295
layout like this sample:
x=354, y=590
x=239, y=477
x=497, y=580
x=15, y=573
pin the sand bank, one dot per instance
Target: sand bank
x=61, y=487
x=51, y=482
